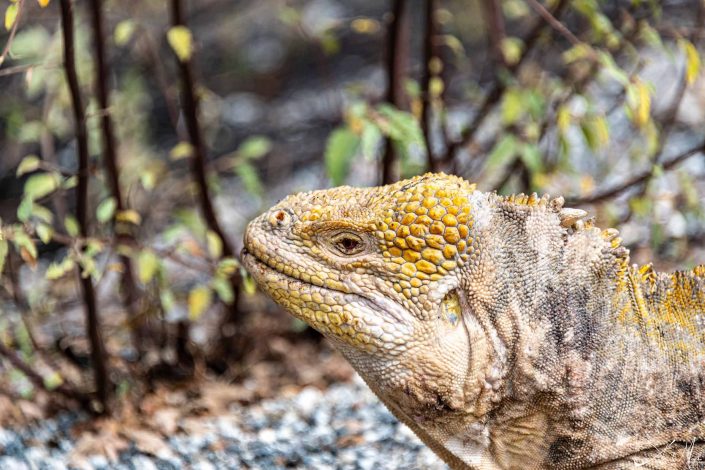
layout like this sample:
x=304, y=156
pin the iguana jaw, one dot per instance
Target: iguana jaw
x=345, y=317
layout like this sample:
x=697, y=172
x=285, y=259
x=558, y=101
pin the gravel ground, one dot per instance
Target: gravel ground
x=344, y=427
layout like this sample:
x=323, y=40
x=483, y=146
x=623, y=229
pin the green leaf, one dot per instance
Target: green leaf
x=147, y=266
x=24, y=210
x=227, y=266
x=505, y=148
x=595, y=131
x=42, y=213
x=44, y=232
x=71, y=226
x=59, y=270
x=248, y=284
x=123, y=32
x=532, y=158
x=11, y=16
x=106, y=209
x=224, y=289
x=28, y=164
x=254, y=147
x=181, y=41
x=215, y=244
x=4, y=248
x=369, y=140
x=341, y=147
x=250, y=178
x=24, y=243
x=399, y=125
x=199, y=299
x=41, y=184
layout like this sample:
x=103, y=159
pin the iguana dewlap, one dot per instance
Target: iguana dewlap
x=504, y=331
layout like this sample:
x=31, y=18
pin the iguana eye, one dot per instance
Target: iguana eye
x=348, y=243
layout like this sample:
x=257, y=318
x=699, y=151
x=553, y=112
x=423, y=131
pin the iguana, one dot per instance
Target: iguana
x=506, y=332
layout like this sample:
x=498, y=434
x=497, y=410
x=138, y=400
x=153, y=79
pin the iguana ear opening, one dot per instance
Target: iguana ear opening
x=450, y=310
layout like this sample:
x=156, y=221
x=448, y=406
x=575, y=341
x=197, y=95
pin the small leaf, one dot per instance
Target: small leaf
x=11, y=16
x=106, y=209
x=563, y=119
x=364, y=25
x=24, y=209
x=215, y=244
x=28, y=164
x=341, y=148
x=181, y=42
x=180, y=151
x=26, y=247
x=147, y=266
x=513, y=106
x=59, y=270
x=595, y=131
x=54, y=379
x=369, y=140
x=43, y=3
x=123, y=32
x=44, y=232
x=692, y=61
x=70, y=182
x=250, y=178
x=71, y=226
x=228, y=266
x=129, y=216
x=503, y=150
x=42, y=213
x=41, y=184
x=254, y=147
x=224, y=289
x=511, y=49
x=248, y=284
x=198, y=301
x=4, y=248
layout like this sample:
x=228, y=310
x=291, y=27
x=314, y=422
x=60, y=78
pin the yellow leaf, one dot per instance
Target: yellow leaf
x=147, y=266
x=123, y=32
x=43, y=3
x=365, y=25
x=644, y=108
x=181, y=42
x=181, y=150
x=692, y=62
x=563, y=119
x=11, y=16
x=130, y=216
x=215, y=244
x=198, y=301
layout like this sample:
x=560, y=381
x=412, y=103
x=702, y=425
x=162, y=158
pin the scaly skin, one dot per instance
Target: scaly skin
x=506, y=332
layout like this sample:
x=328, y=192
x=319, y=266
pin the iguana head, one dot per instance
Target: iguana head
x=373, y=269
x=366, y=266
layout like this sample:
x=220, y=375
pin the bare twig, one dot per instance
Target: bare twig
x=428, y=49
x=98, y=353
x=395, y=80
x=112, y=169
x=36, y=379
x=636, y=179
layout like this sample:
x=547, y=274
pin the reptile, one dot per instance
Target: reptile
x=508, y=332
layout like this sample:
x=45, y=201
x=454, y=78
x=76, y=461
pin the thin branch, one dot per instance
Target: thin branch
x=498, y=87
x=13, y=31
x=636, y=179
x=112, y=169
x=428, y=49
x=36, y=379
x=395, y=81
x=494, y=21
x=98, y=353
x=554, y=22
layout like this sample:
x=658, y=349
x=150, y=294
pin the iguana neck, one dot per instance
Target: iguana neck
x=575, y=335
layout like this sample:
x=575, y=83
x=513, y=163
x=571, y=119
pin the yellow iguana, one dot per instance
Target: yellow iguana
x=507, y=332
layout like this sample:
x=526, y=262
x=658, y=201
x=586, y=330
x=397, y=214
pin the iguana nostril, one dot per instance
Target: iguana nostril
x=279, y=218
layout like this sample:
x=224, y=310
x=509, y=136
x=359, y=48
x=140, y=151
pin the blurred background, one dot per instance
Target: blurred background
x=139, y=138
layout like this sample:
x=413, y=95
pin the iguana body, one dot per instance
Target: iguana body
x=506, y=332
